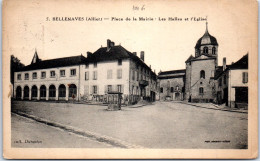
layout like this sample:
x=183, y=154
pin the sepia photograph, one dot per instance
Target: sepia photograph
x=130, y=79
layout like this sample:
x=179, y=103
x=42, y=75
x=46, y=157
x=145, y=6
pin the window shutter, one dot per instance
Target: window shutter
x=106, y=88
x=122, y=88
x=243, y=77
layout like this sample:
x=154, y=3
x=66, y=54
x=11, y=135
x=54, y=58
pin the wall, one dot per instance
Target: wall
x=48, y=80
x=173, y=82
x=236, y=80
x=102, y=80
x=196, y=82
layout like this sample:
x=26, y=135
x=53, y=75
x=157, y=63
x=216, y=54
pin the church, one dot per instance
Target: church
x=201, y=69
x=199, y=81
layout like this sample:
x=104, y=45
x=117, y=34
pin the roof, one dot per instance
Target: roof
x=206, y=39
x=114, y=53
x=54, y=63
x=192, y=58
x=172, y=74
x=189, y=59
x=241, y=63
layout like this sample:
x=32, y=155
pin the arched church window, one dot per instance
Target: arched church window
x=202, y=74
x=201, y=90
x=213, y=51
x=205, y=50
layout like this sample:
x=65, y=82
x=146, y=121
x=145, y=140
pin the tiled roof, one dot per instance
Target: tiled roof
x=172, y=72
x=189, y=59
x=54, y=63
x=114, y=53
x=241, y=63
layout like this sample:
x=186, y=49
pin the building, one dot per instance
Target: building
x=232, y=83
x=171, y=85
x=90, y=78
x=113, y=68
x=55, y=79
x=204, y=81
x=200, y=70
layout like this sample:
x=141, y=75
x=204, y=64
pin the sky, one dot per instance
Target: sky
x=167, y=44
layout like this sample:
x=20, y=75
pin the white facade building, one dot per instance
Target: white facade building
x=90, y=78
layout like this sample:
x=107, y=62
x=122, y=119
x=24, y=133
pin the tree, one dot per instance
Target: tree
x=15, y=65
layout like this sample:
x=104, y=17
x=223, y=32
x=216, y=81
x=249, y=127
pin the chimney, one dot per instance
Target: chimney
x=112, y=44
x=134, y=53
x=89, y=54
x=142, y=55
x=150, y=66
x=224, y=63
x=108, y=44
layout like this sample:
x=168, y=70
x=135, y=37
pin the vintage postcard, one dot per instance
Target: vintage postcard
x=133, y=79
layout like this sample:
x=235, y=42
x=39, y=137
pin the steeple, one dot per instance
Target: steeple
x=35, y=58
x=206, y=32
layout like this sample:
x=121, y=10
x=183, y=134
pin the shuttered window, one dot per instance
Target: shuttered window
x=245, y=77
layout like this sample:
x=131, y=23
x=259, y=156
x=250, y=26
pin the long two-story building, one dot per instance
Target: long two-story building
x=90, y=78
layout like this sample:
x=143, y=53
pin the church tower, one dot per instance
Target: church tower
x=207, y=45
x=200, y=70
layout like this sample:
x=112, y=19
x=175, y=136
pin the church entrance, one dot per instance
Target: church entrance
x=177, y=96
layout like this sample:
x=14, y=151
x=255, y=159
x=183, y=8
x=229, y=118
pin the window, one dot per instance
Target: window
x=109, y=74
x=62, y=73
x=19, y=77
x=205, y=50
x=213, y=51
x=95, y=64
x=177, y=88
x=133, y=75
x=72, y=72
x=86, y=75
x=225, y=79
x=172, y=89
x=43, y=75
x=52, y=73
x=202, y=74
x=94, y=75
x=119, y=62
x=109, y=88
x=220, y=82
x=34, y=75
x=161, y=90
x=94, y=89
x=245, y=77
x=119, y=88
x=26, y=76
x=119, y=73
x=201, y=90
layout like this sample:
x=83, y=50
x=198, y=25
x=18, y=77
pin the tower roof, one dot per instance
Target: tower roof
x=206, y=39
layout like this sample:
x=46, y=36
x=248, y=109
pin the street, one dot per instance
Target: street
x=161, y=125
